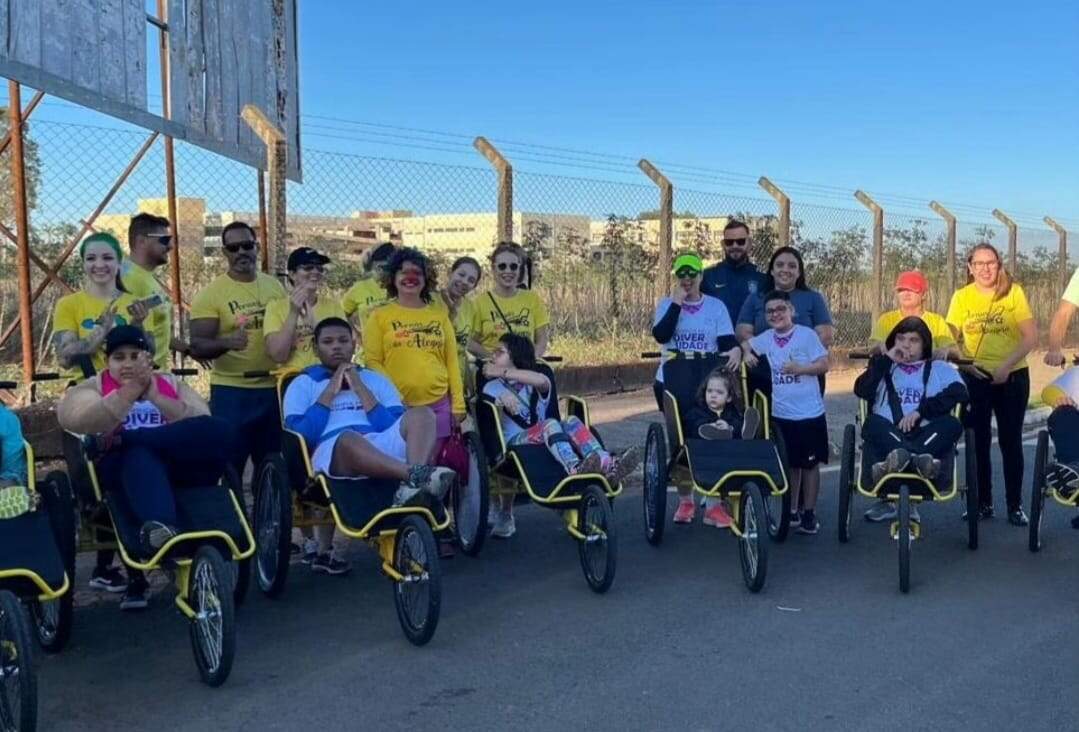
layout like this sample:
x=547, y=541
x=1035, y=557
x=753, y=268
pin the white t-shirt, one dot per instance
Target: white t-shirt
x=908, y=380
x=793, y=397
x=510, y=429
x=144, y=414
x=346, y=410
x=700, y=325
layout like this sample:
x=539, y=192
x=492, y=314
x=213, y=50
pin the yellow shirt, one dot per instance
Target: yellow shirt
x=366, y=294
x=525, y=312
x=236, y=305
x=78, y=313
x=990, y=328
x=938, y=328
x=303, y=346
x=141, y=284
x=416, y=349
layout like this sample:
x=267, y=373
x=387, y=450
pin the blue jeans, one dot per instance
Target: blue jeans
x=255, y=416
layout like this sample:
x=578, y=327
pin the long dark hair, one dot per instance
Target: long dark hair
x=461, y=261
x=397, y=261
x=800, y=283
x=733, y=393
x=1004, y=280
x=912, y=324
x=522, y=352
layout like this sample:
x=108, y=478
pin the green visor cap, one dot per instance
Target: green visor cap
x=687, y=261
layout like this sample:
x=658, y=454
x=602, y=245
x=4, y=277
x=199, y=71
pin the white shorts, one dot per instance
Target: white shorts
x=388, y=442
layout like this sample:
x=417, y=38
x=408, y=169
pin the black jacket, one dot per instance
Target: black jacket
x=880, y=368
x=700, y=415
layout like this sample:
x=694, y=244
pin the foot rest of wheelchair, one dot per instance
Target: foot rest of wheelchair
x=542, y=472
x=28, y=544
x=711, y=460
x=198, y=509
x=917, y=487
x=358, y=500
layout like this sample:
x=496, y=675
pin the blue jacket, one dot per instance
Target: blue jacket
x=732, y=285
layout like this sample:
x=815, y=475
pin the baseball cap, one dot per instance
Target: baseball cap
x=912, y=280
x=687, y=261
x=126, y=335
x=305, y=255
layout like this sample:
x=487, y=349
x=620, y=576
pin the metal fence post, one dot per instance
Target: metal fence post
x=1013, y=240
x=878, y=248
x=784, y=202
x=505, y=186
x=1062, y=253
x=276, y=158
x=666, y=216
x=170, y=170
x=949, y=259
x=22, y=229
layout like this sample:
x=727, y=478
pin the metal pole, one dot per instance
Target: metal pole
x=264, y=240
x=505, y=186
x=170, y=167
x=784, y=202
x=950, y=222
x=22, y=229
x=666, y=219
x=1062, y=253
x=878, y=248
x=1013, y=240
x=276, y=159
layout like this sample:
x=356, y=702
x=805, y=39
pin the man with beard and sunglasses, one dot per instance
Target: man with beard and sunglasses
x=735, y=278
x=226, y=328
x=149, y=239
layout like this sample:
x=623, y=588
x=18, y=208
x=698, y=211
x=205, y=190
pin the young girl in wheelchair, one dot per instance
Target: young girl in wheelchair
x=522, y=393
x=910, y=425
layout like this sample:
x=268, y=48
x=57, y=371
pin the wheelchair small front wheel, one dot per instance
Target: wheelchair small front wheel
x=903, y=539
x=1037, y=491
x=273, y=525
x=213, y=629
x=418, y=594
x=655, y=484
x=846, y=484
x=18, y=678
x=752, y=549
x=598, y=549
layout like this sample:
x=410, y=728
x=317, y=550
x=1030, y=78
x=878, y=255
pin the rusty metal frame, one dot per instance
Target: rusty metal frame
x=1062, y=252
x=951, y=223
x=1013, y=238
x=878, y=248
x=784, y=203
x=504, y=169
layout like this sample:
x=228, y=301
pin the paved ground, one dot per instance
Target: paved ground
x=986, y=639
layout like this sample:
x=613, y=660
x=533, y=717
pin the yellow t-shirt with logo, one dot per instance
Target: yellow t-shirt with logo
x=141, y=284
x=303, y=346
x=938, y=328
x=525, y=312
x=990, y=328
x=234, y=305
x=366, y=294
x=416, y=348
x=79, y=312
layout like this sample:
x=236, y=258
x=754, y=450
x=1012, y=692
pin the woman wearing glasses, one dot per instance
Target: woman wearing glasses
x=992, y=320
x=507, y=309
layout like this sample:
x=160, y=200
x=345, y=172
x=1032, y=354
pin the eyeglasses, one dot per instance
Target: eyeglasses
x=735, y=242
x=499, y=351
x=985, y=265
x=237, y=246
x=686, y=273
x=779, y=310
x=511, y=266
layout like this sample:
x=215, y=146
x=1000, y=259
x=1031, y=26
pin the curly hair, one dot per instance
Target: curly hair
x=414, y=256
x=734, y=395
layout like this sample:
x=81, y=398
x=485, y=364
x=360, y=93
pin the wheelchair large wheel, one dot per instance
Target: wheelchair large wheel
x=418, y=595
x=53, y=619
x=752, y=549
x=213, y=629
x=471, y=498
x=903, y=539
x=1037, y=491
x=655, y=484
x=971, y=470
x=846, y=484
x=18, y=679
x=273, y=525
x=598, y=549
x=241, y=568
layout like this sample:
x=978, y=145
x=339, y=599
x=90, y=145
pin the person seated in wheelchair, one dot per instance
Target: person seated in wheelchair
x=522, y=392
x=910, y=425
x=1063, y=396
x=354, y=419
x=13, y=471
x=149, y=434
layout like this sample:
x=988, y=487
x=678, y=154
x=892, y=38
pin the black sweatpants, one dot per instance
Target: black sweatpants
x=1064, y=429
x=1008, y=402
x=936, y=437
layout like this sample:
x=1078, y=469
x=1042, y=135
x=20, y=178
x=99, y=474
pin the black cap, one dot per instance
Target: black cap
x=305, y=255
x=126, y=335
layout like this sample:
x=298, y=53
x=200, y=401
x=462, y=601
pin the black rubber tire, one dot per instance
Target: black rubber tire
x=846, y=485
x=17, y=662
x=210, y=593
x=414, y=549
x=599, y=551
x=273, y=525
x=470, y=538
x=1037, y=491
x=752, y=549
x=655, y=484
x=779, y=530
x=53, y=620
x=973, y=506
x=241, y=568
x=904, y=539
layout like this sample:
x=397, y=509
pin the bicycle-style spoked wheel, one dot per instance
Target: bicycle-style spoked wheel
x=18, y=680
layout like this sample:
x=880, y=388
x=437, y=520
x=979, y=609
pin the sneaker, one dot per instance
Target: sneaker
x=1016, y=517
x=927, y=466
x=109, y=580
x=796, y=519
x=1063, y=478
x=310, y=551
x=431, y=480
x=591, y=464
x=135, y=597
x=751, y=423
x=717, y=515
x=503, y=527
x=685, y=512
x=153, y=535
x=914, y=515
x=328, y=563
x=984, y=513
x=624, y=464
x=881, y=511
x=809, y=523
x=878, y=471
x=897, y=460
x=711, y=431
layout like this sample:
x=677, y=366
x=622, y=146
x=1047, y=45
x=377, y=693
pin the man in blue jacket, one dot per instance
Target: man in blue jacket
x=356, y=423
x=735, y=278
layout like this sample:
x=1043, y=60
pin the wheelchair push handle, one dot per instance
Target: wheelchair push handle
x=864, y=354
x=184, y=372
x=551, y=359
x=9, y=385
x=688, y=355
x=259, y=374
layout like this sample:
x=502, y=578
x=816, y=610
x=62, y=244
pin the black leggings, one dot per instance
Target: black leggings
x=1008, y=401
x=936, y=437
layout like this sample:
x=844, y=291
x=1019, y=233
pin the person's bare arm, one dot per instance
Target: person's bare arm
x=476, y=349
x=744, y=331
x=279, y=343
x=207, y=343
x=826, y=333
x=543, y=337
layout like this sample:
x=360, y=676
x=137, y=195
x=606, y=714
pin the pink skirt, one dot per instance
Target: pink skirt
x=443, y=410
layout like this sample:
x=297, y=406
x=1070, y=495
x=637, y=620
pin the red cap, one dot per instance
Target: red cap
x=912, y=280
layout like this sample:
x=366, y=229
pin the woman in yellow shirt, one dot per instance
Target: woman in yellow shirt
x=506, y=308
x=290, y=321
x=992, y=320
x=465, y=273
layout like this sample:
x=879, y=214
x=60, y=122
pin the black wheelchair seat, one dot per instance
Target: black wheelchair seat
x=359, y=500
x=711, y=460
x=27, y=543
x=542, y=471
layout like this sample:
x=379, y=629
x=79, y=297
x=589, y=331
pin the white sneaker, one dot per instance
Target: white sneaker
x=881, y=511
x=503, y=526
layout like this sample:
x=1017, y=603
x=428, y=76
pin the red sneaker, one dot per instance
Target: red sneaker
x=717, y=516
x=687, y=509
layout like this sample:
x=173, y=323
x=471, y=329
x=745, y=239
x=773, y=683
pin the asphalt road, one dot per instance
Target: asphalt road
x=986, y=639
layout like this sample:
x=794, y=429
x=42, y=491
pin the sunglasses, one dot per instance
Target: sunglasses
x=237, y=246
x=735, y=242
x=686, y=273
x=164, y=240
x=511, y=266
x=310, y=268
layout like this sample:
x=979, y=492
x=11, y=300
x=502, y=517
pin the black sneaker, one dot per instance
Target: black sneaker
x=109, y=580
x=153, y=535
x=1063, y=478
x=751, y=423
x=1016, y=517
x=329, y=564
x=135, y=597
x=809, y=523
x=927, y=466
x=984, y=513
x=796, y=519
